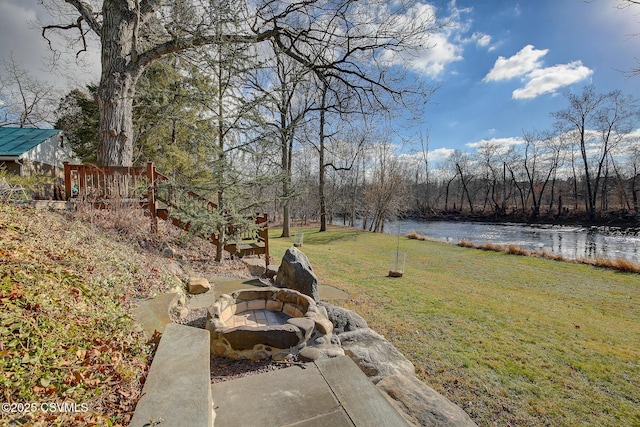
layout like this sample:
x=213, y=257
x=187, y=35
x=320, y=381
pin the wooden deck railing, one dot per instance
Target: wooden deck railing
x=109, y=182
x=146, y=186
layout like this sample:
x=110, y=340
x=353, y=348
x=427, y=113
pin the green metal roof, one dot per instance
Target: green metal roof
x=16, y=141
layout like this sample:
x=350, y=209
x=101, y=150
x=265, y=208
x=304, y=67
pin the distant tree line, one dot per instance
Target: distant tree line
x=585, y=169
x=284, y=107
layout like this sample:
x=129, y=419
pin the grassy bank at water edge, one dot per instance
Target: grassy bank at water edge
x=513, y=340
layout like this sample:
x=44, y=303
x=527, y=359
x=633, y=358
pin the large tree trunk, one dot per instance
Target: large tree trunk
x=120, y=73
x=115, y=101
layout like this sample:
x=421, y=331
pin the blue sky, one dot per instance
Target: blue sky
x=510, y=63
x=503, y=65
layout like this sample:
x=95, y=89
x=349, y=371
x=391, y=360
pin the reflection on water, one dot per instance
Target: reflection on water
x=569, y=241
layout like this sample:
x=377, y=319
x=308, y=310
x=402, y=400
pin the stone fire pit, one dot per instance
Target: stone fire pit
x=268, y=322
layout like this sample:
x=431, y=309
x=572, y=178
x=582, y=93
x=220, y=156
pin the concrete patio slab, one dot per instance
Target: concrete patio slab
x=364, y=403
x=331, y=392
x=279, y=398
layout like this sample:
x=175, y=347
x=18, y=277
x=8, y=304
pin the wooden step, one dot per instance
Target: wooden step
x=244, y=248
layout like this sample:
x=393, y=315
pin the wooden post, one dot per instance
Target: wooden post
x=82, y=182
x=151, y=196
x=265, y=232
x=67, y=181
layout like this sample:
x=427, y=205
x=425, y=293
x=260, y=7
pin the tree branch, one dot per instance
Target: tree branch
x=179, y=44
x=87, y=13
x=77, y=25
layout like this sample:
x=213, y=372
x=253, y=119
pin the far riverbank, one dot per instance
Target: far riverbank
x=568, y=241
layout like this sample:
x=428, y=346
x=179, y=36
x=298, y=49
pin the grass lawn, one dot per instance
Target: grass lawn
x=513, y=340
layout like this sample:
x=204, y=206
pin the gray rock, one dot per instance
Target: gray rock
x=295, y=272
x=343, y=320
x=421, y=404
x=322, y=311
x=324, y=326
x=310, y=354
x=327, y=340
x=313, y=353
x=272, y=270
x=181, y=312
x=321, y=347
x=375, y=356
x=256, y=266
x=174, y=268
x=168, y=251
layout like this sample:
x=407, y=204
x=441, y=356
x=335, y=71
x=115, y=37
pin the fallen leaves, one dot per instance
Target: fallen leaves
x=59, y=337
x=66, y=288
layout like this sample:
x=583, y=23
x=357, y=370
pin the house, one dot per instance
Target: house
x=28, y=151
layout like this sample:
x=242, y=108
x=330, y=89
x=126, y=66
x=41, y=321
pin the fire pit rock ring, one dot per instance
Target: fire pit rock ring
x=269, y=322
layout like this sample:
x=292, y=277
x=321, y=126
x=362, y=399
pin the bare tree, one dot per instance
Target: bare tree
x=327, y=104
x=464, y=168
x=635, y=5
x=492, y=158
x=599, y=122
x=289, y=100
x=135, y=33
x=386, y=193
x=634, y=166
x=24, y=100
x=540, y=161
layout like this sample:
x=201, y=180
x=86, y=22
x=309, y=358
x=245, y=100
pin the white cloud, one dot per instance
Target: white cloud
x=548, y=80
x=517, y=11
x=499, y=145
x=417, y=158
x=432, y=61
x=443, y=47
x=440, y=154
x=482, y=40
x=522, y=63
x=537, y=80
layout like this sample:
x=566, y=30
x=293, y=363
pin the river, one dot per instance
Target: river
x=573, y=242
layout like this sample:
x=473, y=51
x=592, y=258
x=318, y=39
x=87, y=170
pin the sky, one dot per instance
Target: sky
x=502, y=66
x=508, y=65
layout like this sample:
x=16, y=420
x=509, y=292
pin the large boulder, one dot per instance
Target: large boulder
x=198, y=285
x=343, y=320
x=421, y=405
x=375, y=356
x=295, y=273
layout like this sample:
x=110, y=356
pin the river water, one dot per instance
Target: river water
x=571, y=242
